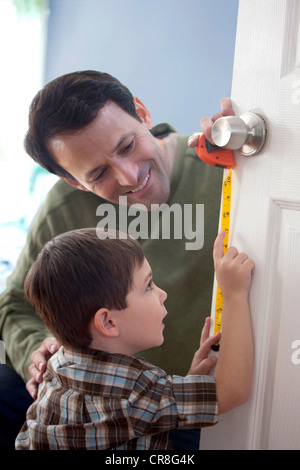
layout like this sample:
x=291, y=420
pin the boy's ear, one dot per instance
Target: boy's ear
x=143, y=112
x=74, y=183
x=105, y=324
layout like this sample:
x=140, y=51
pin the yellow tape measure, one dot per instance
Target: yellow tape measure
x=225, y=222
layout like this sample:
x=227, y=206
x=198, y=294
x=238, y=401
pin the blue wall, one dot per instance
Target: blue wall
x=175, y=55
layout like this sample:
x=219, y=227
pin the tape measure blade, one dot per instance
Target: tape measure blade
x=225, y=225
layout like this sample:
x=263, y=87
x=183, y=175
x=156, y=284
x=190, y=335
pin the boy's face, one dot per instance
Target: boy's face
x=141, y=324
x=116, y=155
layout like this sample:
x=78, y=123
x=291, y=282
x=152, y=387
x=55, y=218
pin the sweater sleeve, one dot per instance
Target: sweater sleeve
x=22, y=329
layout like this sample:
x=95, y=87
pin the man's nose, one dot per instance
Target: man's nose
x=127, y=174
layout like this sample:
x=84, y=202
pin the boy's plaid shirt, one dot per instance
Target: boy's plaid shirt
x=90, y=399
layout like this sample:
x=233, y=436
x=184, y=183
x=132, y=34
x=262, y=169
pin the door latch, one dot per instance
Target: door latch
x=246, y=133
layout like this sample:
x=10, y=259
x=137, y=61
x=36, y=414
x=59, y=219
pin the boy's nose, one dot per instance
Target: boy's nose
x=163, y=296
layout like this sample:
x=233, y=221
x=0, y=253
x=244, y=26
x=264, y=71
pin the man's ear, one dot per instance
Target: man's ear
x=105, y=324
x=74, y=183
x=143, y=112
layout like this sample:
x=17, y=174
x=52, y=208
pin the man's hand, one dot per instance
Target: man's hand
x=202, y=364
x=206, y=123
x=39, y=364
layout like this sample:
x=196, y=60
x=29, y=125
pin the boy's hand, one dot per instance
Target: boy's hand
x=235, y=360
x=233, y=270
x=202, y=364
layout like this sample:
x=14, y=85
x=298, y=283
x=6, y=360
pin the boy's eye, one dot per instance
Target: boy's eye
x=150, y=285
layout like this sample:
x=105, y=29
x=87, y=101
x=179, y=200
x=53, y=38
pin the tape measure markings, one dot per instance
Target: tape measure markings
x=222, y=158
x=225, y=222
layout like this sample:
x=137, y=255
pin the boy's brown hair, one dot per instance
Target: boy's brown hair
x=77, y=273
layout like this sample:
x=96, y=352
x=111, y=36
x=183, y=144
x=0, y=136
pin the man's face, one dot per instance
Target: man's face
x=114, y=156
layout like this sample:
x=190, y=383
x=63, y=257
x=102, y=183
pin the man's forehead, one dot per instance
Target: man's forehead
x=107, y=124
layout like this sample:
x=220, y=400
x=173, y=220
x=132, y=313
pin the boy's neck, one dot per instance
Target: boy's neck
x=110, y=346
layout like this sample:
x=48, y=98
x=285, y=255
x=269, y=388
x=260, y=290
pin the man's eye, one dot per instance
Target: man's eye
x=98, y=177
x=128, y=147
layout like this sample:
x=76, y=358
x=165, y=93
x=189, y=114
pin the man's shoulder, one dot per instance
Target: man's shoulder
x=64, y=193
x=162, y=130
x=64, y=208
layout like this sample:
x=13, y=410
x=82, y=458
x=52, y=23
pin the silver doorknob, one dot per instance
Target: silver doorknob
x=246, y=133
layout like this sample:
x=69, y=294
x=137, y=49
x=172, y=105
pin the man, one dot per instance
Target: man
x=88, y=129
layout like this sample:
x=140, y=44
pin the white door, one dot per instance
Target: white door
x=265, y=223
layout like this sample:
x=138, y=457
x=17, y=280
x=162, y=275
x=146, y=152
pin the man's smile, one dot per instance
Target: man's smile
x=141, y=186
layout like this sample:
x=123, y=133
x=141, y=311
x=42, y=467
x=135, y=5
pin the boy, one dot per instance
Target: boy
x=98, y=298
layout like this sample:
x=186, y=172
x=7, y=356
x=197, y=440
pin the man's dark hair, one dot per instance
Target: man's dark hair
x=68, y=104
x=77, y=273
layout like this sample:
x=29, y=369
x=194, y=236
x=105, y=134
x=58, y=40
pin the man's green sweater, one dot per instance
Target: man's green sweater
x=185, y=274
